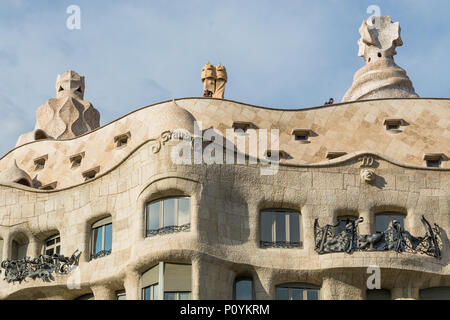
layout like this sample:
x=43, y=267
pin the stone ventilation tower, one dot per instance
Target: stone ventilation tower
x=67, y=116
x=380, y=77
x=214, y=80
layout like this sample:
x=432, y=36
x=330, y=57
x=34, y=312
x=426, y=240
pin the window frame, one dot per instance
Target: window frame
x=287, y=243
x=167, y=229
x=346, y=217
x=390, y=214
x=295, y=285
x=243, y=278
x=54, y=246
x=161, y=280
x=100, y=224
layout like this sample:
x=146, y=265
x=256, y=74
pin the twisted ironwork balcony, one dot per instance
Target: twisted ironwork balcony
x=170, y=229
x=41, y=267
x=395, y=238
x=101, y=254
x=280, y=244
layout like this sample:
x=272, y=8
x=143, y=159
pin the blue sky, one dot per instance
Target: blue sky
x=281, y=54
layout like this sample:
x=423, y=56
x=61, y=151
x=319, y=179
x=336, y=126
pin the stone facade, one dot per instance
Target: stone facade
x=358, y=158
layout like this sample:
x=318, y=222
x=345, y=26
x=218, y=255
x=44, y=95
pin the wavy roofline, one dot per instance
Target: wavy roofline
x=238, y=102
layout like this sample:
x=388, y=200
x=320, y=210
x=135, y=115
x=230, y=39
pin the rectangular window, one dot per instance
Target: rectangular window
x=176, y=282
x=244, y=289
x=52, y=245
x=383, y=221
x=167, y=215
x=101, y=244
x=280, y=228
x=296, y=292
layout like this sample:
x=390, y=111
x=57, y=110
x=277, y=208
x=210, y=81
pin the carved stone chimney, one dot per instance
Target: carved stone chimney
x=214, y=80
x=380, y=77
x=67, y=116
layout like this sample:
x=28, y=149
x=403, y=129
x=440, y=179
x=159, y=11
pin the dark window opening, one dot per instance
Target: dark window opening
x=433, y=163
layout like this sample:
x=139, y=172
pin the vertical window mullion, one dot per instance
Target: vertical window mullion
x=161, y=281
x=300, y=229
x=274, y=229
x=288, y=231
x=161, y=214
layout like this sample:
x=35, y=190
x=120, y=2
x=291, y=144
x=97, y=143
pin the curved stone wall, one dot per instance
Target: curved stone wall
x=224, y=238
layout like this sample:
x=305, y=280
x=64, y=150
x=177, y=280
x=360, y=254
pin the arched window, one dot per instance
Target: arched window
x=168, y=215
x=167, y=281
x=297, y=291
x=436, y=293
x=280, y=228
x=52, y=245
x=378, y=294
x=243, y=288
x=101, y=238
x=384, y=220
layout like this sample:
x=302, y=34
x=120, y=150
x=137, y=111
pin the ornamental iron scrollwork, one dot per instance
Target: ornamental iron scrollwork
x=42, y=267
x=101, y=254
x=395, y=238
x=170, y=229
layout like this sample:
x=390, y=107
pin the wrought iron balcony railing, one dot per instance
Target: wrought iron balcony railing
x=395, y=238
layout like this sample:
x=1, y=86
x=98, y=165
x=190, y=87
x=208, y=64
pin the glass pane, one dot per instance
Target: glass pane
x=98, y=238
x=155, y=289
x=49, y=252
x=147, y=291
x=297, y=293
x=185, y=296
x=266, y=226
x=169, y=212
x=244, y=290
x=57, y=240
x=294, y=227
x=280, y=226
x=50, y=242
x=184, y=210
x=58, y=249
x=381, y=222
x=282, y=294
x=169, y=296
x=108, y=236
x=153, y=216
x=312, y=294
